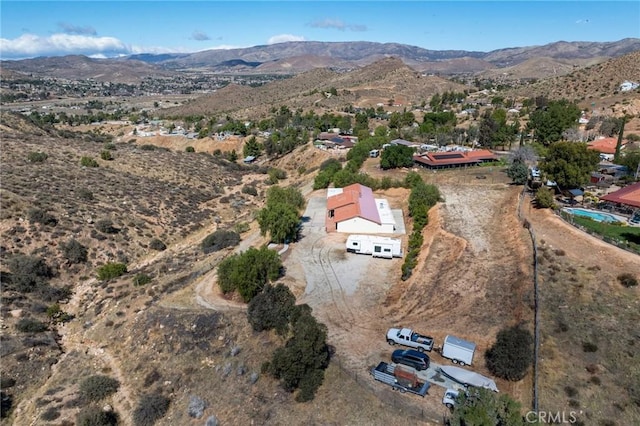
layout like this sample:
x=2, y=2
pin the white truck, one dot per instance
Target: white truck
x=410, y=338
x=459, y=351
x=375, y=246
x=468, y=378
x=449, y=398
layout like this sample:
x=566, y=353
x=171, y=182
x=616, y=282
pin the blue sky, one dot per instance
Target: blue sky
x=115, y=28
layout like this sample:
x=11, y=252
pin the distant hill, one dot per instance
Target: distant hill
x=298, y=57
x=368, y=86
x=595, y=81
x=78, y=67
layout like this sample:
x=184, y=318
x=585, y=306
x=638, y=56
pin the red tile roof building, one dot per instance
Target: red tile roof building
x=439, y=160
x=355, y=210
x=629, y=196
x=604, y=145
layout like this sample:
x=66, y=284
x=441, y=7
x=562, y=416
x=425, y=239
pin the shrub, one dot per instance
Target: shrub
x=36, y=215
x=111, y=270
x=37, y=157
x=276, y=175
x=106, y=226
x=251, y=190
x=589, y=347
x=88, y=162
x=544, y=198
x=106, y=155
x=196, y=407
x=110, y=146
x=241, y=227
x=58, y=315
x=96, y=388
x=150, y=408
x=50, y=414
x=148, y=147
x=628, y=280
x=157, y=244
x=85, y=194
x=29, y=325
x=74, y=252
x=96, y=416
x=28, y=272
x=512, y=354
x=190, y=149
x=141, y=279
x=220, y=239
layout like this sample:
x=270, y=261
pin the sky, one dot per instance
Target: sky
x=117, y=28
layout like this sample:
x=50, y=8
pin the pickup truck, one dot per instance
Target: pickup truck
x=410, y=338
x=400, y=379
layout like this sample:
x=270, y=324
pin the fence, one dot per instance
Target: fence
x=403, y=403
x=536, y=315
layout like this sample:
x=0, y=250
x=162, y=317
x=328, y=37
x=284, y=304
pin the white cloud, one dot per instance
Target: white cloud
x=282, y=38
x=582, y=21
x=337, y=24
x=31, y=45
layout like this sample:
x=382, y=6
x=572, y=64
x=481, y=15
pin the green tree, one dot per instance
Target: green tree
x=288, y=195
x=570, y=164
x=300, y=364
x=272, y=308
x=482, y=407
x=280, y=221
x=549, y=121
x=396, y=156
x=512, y=354
x=631, y=159
x=248, y=272
x=252, y=147
x=518, y=172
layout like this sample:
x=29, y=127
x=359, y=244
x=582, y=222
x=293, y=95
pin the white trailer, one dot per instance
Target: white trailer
x=375, y=246
x=458, y=350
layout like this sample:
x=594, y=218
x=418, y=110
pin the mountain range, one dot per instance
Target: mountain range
x=297, y=57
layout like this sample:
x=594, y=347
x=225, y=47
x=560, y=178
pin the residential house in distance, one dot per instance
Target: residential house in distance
x=414, y=145
x=605, y=146
x=353, y=209
x=628, y=85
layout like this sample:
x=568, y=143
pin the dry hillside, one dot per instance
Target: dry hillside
x=366, y=87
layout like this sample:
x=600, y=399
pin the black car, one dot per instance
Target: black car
x=412, y=358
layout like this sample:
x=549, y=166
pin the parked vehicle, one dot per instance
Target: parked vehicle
x=400, y=379
x=412, y=358
x=449, y=398
x=408, y=337
x=459, y=351
x=468, y=378
x=375, y=246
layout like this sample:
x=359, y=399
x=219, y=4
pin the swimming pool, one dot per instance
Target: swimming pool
x=595, y=215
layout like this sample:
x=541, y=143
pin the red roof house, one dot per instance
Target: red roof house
x=437, y=160
x=355, y=210
x=629, y=196
x=604, y=145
